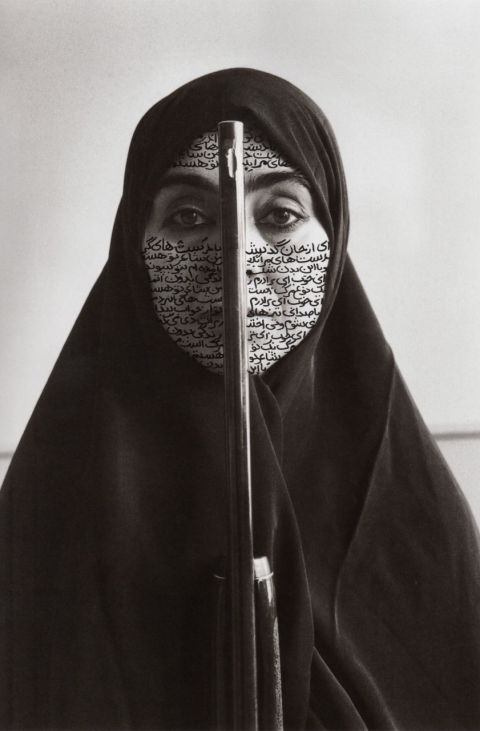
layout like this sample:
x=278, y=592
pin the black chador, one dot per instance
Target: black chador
x=112, y=512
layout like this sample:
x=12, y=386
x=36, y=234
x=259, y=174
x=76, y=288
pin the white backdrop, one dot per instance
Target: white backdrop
x=399, y=80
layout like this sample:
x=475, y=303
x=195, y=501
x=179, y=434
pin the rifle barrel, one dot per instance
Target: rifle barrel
x=242, y=682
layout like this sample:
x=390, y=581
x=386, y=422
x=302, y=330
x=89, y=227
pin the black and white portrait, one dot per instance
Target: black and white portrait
x=140, y=588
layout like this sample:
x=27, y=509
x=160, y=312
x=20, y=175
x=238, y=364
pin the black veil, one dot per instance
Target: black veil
x=113, y=509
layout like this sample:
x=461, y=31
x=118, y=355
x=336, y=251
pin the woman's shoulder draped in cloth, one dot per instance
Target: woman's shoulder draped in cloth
x=113, y=509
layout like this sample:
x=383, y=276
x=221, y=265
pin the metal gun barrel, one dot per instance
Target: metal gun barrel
x=240, y=627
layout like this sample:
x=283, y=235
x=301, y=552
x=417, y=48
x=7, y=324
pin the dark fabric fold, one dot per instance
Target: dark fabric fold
x=112, y=514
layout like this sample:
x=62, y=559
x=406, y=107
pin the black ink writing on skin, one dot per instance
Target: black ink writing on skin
x=257, y=153
x=286, y=281
x=285, y=296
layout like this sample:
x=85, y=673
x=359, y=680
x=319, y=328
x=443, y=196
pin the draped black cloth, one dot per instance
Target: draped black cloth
x=113, y=510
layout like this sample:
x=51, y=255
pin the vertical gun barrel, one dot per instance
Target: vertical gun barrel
x=241, y=683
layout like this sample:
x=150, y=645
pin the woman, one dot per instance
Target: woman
x=113, y=508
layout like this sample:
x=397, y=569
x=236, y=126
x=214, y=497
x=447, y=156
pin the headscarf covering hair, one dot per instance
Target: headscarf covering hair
x=113, y=509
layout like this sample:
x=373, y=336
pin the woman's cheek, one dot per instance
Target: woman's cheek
x=186, y=284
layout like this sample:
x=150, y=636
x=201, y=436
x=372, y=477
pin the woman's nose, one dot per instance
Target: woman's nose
x=255, y=258
x=258, y=251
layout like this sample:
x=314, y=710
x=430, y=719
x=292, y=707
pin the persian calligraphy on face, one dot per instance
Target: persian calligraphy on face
x=287, y=254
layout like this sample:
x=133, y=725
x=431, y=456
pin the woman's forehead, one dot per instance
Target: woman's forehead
x=257, y=152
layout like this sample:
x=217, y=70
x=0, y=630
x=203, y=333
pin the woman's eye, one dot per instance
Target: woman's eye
x=280, y=217
x=187, y=218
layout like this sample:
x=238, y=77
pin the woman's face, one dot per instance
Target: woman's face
x=287, y=254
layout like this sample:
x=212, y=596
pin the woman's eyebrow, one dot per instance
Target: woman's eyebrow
x=265, y=180
x=262, y=180
x=196, y=180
